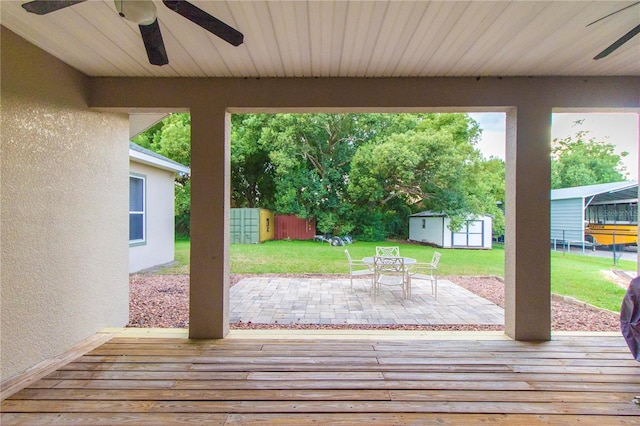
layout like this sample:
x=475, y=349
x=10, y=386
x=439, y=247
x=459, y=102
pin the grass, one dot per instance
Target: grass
x=583, y=278
x=321, y=258
x=577, y=276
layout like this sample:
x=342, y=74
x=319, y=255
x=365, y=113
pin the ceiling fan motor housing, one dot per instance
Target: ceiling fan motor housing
x=142, y=12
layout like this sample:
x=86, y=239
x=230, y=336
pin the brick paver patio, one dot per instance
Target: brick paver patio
x=330, y=301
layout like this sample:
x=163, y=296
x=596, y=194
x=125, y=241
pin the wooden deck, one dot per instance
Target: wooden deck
x=368, y=380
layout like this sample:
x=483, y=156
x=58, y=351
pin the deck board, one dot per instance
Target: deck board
x=150, y=380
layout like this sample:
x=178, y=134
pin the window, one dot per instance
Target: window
x=136, y=209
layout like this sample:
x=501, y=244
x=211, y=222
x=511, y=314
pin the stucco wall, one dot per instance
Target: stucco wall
x=159, y=245
x=64, y=191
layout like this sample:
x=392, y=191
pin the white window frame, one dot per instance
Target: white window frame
x=142, y=213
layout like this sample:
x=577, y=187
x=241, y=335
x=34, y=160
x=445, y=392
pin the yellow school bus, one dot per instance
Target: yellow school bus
x=612, y=223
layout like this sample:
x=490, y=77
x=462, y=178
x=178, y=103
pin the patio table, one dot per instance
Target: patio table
x=408, y=261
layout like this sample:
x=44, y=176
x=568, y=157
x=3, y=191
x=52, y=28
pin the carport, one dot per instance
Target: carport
x=568, y=207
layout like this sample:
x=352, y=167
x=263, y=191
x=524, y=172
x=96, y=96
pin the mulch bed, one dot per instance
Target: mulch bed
x=162, y=301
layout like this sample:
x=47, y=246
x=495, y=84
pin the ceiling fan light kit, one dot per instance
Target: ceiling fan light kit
x=139, y=12
x=144, y=13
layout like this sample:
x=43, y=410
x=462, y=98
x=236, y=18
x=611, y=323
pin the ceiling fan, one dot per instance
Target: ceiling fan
x=622, y=40
x=143, y=13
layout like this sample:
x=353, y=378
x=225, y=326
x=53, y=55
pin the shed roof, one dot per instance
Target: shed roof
x=626, y=190
x=428, y=213
x=146, y=156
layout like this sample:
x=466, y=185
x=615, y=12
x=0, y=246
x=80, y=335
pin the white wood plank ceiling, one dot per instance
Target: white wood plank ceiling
x=346, y=39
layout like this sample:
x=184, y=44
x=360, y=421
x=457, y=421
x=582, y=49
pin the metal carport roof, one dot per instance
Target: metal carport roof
x=627, y=190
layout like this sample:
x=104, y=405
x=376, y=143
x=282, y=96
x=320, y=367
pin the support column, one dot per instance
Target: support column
x=527, y=254
x=209, y=281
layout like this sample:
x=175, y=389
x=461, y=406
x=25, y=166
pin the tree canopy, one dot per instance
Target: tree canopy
x=365, y=173
x=582, y=160
x=359, y=174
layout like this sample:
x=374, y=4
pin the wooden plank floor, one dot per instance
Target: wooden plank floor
x=154, y=380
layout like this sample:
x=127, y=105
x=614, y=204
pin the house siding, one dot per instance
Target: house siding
x=158, y=247
x=63, y=208
x=432, y=233
x=567, y=219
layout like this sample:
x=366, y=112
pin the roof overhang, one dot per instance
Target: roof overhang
x=154, y=161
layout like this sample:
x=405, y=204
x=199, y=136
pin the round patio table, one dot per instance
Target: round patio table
x=407, y=260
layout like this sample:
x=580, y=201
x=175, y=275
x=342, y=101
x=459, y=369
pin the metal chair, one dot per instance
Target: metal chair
x=388, y=251
x=358, y=272
x=427, y=272
x=389, y=271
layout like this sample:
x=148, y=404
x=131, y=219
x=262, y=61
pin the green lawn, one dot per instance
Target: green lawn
x=577, y=276
x=583, y=278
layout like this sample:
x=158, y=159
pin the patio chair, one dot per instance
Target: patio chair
x=358, y=271
x=388, y=251
x=427, y=272
x=389, y=271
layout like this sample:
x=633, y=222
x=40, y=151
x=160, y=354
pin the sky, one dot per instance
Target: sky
x=620, y=129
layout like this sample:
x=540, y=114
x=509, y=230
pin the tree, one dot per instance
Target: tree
x=175, y=138
x=582, y=160
x=311, y=154
x=252, y=172
x=171, y=138
x=352, y=173
x=434, y=166
x=486, y=191
x=183, y=206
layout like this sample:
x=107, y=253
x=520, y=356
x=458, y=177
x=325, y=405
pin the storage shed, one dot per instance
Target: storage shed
x=251, y=226
x=433, y=228
x=568, y=207
x=294, y=228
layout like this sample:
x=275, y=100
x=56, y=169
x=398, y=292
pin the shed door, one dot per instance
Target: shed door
x=471, y=234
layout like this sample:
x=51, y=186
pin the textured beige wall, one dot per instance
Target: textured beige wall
x=160, y=222
x=64, y=191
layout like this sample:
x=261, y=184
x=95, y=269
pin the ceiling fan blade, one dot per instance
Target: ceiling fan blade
x=619, y=42
x=206, y=21
x=42, y=7
x=153, y=43
x=613, y=13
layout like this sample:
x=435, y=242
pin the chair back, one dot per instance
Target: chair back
x=435, y=259
x=388, y=251
x=386, y=265
x=348, y=256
